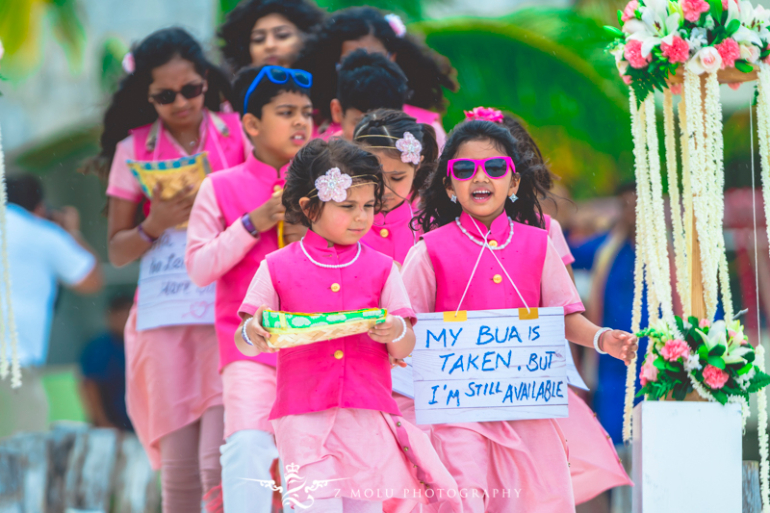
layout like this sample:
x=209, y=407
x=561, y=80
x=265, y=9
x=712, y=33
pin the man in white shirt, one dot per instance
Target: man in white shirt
x=41, y=253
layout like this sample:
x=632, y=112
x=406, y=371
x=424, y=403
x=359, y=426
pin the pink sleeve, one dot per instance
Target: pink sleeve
x=395, y=298
x=212, y=249
x=556, y=235
x=122, y=183
x=556, y=287
x=260, y=293
x=419, y=274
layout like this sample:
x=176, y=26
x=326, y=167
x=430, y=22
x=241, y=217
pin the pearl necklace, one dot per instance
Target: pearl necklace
x=327, y=266
x=497, y=248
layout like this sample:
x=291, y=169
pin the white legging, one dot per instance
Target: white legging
x=246, y=459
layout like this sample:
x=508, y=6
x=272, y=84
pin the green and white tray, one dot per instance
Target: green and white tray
x=296, y=329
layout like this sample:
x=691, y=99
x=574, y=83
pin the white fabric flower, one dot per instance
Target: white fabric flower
x=707, y=60
x=697, y=39
x=333, y=185
x=750, y=53
x=692, y=363
x=396, y=23
x=410, y=149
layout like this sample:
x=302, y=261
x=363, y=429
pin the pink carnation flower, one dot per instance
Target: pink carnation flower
x=676, y=88
x=626, y=79
x=694, y=8
x=633, y=54
x=715, y=378
x=729, y=51
x=677, y=51
x=704, y=323
x=629, y=13
x=649, y=372
x=674, y=349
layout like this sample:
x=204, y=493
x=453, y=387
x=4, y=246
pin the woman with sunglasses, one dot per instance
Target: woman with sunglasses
x=268, y=32
x=164, y=109
x=485, y=248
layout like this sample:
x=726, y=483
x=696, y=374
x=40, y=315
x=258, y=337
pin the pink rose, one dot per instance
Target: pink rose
x=750, y=52
x=707, y=60
x=694, y=8
x=629, y=12
x=715, y=378
x=677, y=51
x=676, y=88
x=704, y=323
x=633, y=54
x=649, y=372
x=729, y=51
x=674, y=349
x=626, y=79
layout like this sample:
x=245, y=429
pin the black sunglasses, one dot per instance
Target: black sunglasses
x=168, y=96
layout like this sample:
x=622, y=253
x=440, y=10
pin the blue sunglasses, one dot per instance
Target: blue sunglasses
x=278, y=75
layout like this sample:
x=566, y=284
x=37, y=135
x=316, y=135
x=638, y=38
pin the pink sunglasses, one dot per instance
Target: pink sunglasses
x=494, y=167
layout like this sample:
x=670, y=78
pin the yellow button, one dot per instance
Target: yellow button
x=335, y=287
x=384, y=232
x=497, y=278
x=493, y=244
x=338, y=354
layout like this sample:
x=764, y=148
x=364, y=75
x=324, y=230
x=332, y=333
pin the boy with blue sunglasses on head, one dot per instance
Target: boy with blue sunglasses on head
x=237, y=219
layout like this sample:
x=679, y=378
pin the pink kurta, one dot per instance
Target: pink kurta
x=523, y=465
x=171, y=372
x=220, y=249
x=391, y=234
x=556, y=234
x=367, y=453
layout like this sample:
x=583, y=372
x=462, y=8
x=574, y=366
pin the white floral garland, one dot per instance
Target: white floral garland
x=763, y=135
x=7, y=325
x=636, y=315
x=680, y=249
x=686, y=203
x=764, y=457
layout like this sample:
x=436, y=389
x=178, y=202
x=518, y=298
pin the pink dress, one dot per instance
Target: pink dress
x=162, y=397
x=391, y=234
x=522, y=465
x=594, y=463
x=334, y=417
x=219, y=249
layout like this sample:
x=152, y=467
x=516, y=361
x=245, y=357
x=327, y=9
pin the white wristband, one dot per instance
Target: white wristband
x=403, y=333
x=596, y=339
x=243, y=332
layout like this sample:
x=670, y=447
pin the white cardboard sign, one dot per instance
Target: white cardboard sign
x=167, y=297
x=491, y=365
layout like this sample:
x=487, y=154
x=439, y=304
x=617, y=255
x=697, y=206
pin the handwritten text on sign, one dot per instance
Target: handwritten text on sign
x=167, y=297
x=491, y=366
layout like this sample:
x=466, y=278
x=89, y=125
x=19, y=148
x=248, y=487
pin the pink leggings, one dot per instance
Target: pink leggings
x=190, y=462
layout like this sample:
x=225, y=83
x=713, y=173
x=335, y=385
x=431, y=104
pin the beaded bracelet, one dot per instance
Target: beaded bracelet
x=243, y=332
x=403, y=333
x=246, y=220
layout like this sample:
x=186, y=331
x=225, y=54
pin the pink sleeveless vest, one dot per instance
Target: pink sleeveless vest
x=224, y=141
x=240, y=190
x=348, y=372
x=421, y=115
x=390, y=233
x=453, y=254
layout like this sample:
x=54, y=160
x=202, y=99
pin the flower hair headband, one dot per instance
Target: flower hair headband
x=484, y=114
x=408, y=145
x=334, y=185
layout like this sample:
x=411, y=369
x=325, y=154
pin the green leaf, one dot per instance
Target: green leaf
x=659, y=364
x=620, y=18
x=716, y=9
x=703, y=352
x=717, y=350
x=743, y=65
x=719, y=396
x=745, y=369
x=615, y=32
x=717, y=362
x=758, y=382
x=680, y=393
x=764, y=54
x=732, y=27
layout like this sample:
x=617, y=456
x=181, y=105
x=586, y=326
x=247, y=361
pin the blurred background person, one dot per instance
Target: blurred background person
x=103, y=366
x=45, y=248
